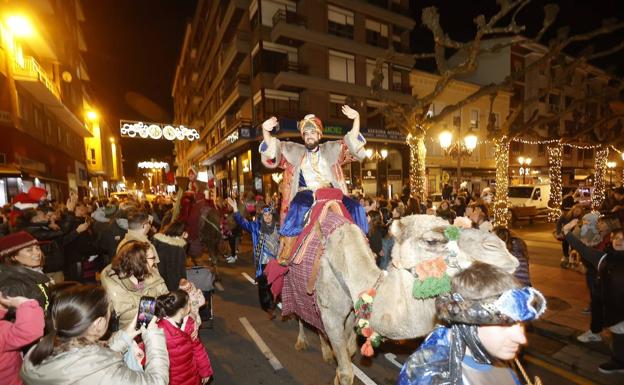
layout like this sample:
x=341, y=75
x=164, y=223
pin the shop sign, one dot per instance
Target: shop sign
x=369, y=174
x=133, y=129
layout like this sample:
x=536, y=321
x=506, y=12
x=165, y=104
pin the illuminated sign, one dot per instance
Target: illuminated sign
x=153, y=164
x=133, y=129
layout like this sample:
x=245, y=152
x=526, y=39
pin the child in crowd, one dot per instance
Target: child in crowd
x=188, y=361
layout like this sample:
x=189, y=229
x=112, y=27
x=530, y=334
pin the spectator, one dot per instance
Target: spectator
x=78, y=241
x=576, y=212
x=568, y=201
x=71, y=352
x=618, y=201
x=138, y=227
x=413, y=207
x=170, y=245
x=22, y=249
x=610, y=267
x=447, y=192
x=188, y=361
x=518, y=248
x=444, y=211
x=21, y=318
x=478, y=214
x=115, y=231
x=131, y=275
x=51, y=236
x=483, y=318
x=460, y=206
x=376, y=232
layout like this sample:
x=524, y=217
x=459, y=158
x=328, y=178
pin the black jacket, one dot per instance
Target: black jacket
x=77, y=246
x=610, y=267
x=172, y=254
x=52, y=248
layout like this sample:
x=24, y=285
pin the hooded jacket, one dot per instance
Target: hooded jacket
x=125, y=296
x=172, y=266
x=100, y=365
x=188, y=360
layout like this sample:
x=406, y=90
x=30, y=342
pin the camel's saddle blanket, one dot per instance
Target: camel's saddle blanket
x=299, y=292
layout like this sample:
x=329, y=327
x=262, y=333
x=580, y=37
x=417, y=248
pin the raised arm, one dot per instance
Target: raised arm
x=270, y=151
x=354, y=140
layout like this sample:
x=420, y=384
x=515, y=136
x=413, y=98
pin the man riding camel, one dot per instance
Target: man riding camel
x=312, y=166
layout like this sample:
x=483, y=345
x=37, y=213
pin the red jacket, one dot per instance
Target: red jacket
x=188, y=360
x=27, y=328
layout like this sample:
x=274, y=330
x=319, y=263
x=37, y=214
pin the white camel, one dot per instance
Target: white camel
x=347, y=268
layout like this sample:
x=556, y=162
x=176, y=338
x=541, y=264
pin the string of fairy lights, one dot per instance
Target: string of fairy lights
x=555, y=152
x=501, y=204
x=602, y=156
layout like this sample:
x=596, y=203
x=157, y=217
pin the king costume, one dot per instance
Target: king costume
x=306, y=170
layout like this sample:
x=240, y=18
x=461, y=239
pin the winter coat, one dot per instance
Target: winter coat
x=375, y=238
x=137, y=235
x=125, y=296
x=111, y=236
x=77, y=246
x=172, y=255
x=188, y=360
x=51, y=249
x=610, y=267
x=101, y=365
x=26, y=329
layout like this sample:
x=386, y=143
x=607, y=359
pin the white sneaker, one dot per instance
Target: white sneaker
x=231, y=259
x=589, y=336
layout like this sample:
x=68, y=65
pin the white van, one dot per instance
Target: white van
x=530, y=195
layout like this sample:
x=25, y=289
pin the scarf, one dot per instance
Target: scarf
x=464, y=336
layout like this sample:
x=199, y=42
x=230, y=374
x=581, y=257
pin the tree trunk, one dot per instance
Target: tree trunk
x=600, y=172
x=555, y=153
x=501, y=209
x=418, y=153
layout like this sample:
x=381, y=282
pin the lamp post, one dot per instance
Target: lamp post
x=611, y=166
x=458, y=149
x=524, y=167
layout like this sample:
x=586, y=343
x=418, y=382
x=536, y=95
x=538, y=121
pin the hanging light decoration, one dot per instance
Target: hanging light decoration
x=418, y=153
x=501, y=205
x=555, y=153
x=600, y=172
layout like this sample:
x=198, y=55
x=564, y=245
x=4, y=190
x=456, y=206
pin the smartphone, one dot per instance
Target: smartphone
x=147, y=309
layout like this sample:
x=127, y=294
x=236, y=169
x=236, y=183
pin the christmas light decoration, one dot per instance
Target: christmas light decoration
x=555, y=162
x=600, y=172
x=418, y=153
x=501, y=204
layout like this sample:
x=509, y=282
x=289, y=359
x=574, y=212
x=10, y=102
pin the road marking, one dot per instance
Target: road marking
x=363, y=377
x=558, y=371
x=261, y=345
x=219, y=286
x=392, y=358
x=247, y=277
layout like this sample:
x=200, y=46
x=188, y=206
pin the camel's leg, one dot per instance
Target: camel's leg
x=351, y=337
x=326, y=350
x=334, y=328
x=302, y=341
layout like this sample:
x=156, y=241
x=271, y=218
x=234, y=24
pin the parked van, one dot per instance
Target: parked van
x=530, y=195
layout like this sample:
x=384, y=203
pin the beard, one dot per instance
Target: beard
x=312, y=145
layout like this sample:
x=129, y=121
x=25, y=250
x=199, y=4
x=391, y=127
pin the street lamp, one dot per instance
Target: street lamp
x=524, y=167
x=377, y=156
x=611, y=166
x=20, y=26
x=458, y=149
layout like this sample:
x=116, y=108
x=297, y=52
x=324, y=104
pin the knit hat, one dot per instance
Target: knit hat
x=12, y=243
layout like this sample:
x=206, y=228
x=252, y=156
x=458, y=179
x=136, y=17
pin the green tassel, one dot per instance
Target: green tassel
x=431, y=287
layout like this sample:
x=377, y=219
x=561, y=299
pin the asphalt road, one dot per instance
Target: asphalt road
x=237, y=359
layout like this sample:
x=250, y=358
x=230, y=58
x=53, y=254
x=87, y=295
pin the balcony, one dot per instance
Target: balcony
x=29, y=74
x=233, y=93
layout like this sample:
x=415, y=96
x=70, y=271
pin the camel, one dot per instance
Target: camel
x=347, y=269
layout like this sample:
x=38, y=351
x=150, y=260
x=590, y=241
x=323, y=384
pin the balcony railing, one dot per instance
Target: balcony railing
x=289, y=17
x=29, y=68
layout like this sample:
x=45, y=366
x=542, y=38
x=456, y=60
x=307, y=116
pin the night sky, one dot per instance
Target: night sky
x=133, y=48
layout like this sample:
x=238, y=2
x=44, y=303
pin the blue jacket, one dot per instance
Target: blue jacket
x=253, y=228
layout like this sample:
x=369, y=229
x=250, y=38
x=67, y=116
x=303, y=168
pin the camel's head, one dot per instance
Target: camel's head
x=421, y=238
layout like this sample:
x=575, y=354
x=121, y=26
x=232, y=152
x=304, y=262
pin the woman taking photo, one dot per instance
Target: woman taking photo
x=131, y=275
x=71, y=352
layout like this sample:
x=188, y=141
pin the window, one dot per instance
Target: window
x=474, y=119
x=370, y=72
x=341, y=67
x=376, y=33
x=339, y=22
x=457, y=118
x=374, y=116
x=397, y=33
x=93, y=156
x=335, y=105
x=495, y=116
x=270, y=8
x=281, y=103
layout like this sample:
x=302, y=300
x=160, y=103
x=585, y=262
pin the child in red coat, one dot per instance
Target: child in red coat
x=188, y=361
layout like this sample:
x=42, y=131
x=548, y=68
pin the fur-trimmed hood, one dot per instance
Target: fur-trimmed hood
x=173, y=241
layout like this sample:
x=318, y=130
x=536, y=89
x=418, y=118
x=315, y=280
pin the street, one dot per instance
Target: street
x=237, y=359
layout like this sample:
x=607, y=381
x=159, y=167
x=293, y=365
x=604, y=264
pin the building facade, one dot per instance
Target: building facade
x=479, y=168
x=245, y=61
x=578, y=163
x=44, y=101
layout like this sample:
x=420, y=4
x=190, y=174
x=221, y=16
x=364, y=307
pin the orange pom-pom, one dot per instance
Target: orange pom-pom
x=367, y=349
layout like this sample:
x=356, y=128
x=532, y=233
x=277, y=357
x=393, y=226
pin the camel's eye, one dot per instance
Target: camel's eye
x=432, y=242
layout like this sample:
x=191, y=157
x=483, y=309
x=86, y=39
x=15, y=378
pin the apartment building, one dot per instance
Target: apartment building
x=478, y=168
x=43, y=102
x=244, y=61
x=578, y=163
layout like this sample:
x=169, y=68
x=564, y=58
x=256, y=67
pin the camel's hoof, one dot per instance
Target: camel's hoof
x=301, y=345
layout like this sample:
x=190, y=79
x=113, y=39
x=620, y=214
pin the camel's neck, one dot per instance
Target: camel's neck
x=360, y=271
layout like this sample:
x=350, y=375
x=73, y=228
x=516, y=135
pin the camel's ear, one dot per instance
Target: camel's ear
x=396, y=228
